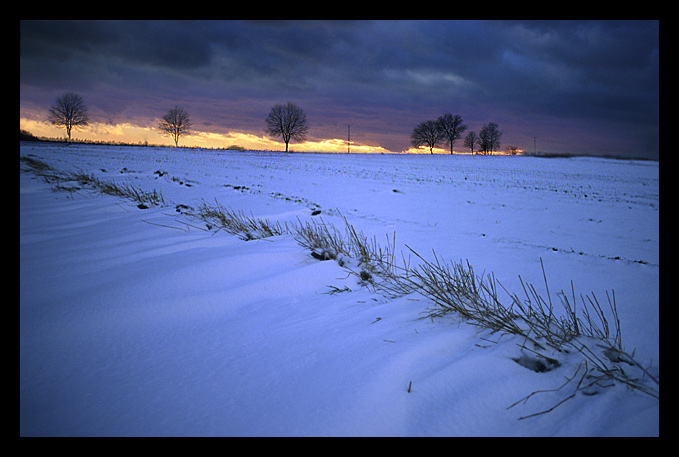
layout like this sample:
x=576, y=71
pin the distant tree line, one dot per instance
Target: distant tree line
x=288, y=121
x=448, y=128
x=70, y=112
x=25, y=135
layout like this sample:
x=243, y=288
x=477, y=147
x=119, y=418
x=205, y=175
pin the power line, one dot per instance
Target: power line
x=535, y=150
x=348, y=136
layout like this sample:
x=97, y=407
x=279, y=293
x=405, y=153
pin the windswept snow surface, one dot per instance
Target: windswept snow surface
x=135, y=323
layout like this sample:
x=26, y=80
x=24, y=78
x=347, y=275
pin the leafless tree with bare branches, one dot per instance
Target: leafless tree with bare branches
x=426, y=133
x=451, y=127
x=175, y=123
x=287, y=121
x=69, y=111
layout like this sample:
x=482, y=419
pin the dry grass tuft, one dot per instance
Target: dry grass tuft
x=51, y=176
x=125, y=190
x=237, y=223
x=591, y=332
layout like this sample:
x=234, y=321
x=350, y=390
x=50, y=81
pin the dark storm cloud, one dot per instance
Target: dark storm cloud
x=607, y=69
x=166, y=44
x=390, y=75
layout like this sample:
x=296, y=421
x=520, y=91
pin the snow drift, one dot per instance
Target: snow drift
x=145, y=322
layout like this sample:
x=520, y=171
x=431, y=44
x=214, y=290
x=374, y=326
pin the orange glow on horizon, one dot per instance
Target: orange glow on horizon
x=134, y=134
x=126, y=133
x=441, y=151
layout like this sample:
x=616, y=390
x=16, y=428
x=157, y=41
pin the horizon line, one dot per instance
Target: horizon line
x=539, y=154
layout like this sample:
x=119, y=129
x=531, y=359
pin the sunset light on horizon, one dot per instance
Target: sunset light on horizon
x=135, y=135
x=578, y=87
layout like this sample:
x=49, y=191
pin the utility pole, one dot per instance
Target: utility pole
x=348, y=136
x=535, y=150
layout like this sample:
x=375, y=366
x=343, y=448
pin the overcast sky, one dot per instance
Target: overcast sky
x=578, y=86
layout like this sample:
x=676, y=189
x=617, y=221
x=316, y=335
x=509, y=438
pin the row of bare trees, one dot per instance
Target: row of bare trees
x=288, y=121
x=448, y=128
x=69, y=111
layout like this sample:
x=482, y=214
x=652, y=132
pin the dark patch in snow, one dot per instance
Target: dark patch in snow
x=323, y=254
x=537, y=364
x=365, y=276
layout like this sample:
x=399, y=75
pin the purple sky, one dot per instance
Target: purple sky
x=579, y=86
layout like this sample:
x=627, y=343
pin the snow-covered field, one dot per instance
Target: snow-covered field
x=142, y=322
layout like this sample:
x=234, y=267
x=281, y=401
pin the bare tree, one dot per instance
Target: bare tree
x=69, y=111
x=428, y=133
x=489, y=137
x=287, y=121
x=175, y=123
x=451, y=127
x=513, y=150
x=471, y=140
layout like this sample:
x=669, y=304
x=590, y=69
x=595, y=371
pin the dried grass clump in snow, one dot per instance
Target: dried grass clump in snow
x=455, y=288
x=126, y=190
x=237, y=223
